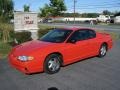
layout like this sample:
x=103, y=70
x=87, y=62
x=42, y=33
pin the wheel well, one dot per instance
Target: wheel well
x=105, y=44
x=61, y=56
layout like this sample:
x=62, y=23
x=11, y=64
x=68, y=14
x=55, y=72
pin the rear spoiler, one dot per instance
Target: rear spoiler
x=104, y=33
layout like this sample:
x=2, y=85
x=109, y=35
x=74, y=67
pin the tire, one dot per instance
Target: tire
x=102, y=50
x=52, y=64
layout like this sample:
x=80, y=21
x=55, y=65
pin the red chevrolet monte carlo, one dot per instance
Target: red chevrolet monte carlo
x=57, y=48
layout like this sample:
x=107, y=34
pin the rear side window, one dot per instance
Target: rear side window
x=83, y=34
x=91, y=33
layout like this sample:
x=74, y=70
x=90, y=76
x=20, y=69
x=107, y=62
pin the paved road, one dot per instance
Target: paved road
x=91, y=74
x=113, y=28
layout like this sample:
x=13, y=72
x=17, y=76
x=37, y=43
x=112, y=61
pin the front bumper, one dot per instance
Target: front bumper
x=25, y=67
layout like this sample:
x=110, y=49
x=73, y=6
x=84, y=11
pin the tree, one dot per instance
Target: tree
x=106, y=12
x=6, y=13
x=70, y=15
x=90, y=15
x=57, y=7
x=26, y=8
x=6, y=9
x=117, y=14
x=45, y=11
x=54, y=8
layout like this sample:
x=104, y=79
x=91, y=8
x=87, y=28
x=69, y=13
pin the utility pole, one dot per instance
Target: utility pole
x=74, y=9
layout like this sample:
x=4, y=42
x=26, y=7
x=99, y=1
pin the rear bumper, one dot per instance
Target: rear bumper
x=25, y=67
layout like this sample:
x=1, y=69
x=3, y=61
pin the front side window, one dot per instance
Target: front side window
x=56, y=36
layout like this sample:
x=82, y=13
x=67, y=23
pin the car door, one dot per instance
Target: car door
x=79, y=49
x=92, y=42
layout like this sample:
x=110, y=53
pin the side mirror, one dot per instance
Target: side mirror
x=72, y=41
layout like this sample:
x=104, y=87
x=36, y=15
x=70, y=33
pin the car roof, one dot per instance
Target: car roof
x=76, y=28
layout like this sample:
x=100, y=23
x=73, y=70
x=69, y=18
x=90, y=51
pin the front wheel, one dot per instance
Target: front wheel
x=52, y=64
x=103, y=50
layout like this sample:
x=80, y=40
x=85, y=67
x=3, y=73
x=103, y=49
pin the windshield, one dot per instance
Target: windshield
x=56, y=36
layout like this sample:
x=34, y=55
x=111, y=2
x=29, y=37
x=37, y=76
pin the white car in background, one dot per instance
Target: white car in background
x=117, y=19
x=47, y=20
x=106, y=18
x=103, y=18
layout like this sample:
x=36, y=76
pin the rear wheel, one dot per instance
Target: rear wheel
x=52, y=64
x=103, y=50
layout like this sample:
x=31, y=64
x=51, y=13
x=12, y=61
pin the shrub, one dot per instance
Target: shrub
x=0, y=35
x=22, y=36
x=5, y=29
x=4, y=50
x=12, y=35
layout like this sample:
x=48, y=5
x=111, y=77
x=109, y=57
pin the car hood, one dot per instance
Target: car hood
x=29, y=47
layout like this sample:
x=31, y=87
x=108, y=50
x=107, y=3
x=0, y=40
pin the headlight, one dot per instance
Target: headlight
x=25, y=58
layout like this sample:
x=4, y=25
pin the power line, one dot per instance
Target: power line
x=100, y=5
x=111, y=2
x=103, y=5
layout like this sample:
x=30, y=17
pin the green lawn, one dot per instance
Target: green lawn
x=114, y=35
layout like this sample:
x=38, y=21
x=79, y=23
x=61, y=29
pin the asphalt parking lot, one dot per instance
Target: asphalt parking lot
x=91, y=74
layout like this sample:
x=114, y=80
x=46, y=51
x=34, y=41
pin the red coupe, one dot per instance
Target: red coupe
x=57, y=48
